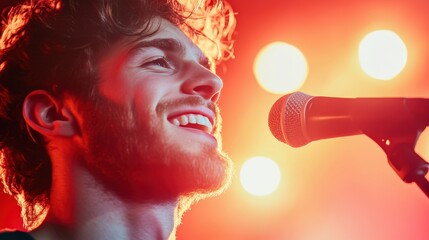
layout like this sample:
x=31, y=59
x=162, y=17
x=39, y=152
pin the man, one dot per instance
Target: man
x=109, y=123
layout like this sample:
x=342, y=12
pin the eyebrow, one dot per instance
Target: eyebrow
x=166, y=44
x=169, y=45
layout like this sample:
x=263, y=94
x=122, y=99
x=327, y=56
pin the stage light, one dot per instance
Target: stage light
x=382, y=54
x=280, y=68
x=260, y=176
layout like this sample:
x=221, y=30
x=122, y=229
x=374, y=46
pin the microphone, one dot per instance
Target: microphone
x=298, y=119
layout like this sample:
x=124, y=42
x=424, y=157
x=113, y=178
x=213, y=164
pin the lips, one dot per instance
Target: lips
x=194, y=120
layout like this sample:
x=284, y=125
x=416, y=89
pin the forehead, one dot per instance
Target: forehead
x=166, y=36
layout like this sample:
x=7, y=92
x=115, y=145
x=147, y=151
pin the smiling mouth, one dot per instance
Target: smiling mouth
x=195, y=121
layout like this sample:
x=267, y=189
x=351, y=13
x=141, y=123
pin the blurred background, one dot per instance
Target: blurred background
x=335, y=189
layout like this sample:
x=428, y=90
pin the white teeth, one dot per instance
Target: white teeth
x=176, y=122
x=199, y=119
x=184, y=120
x=192, y=119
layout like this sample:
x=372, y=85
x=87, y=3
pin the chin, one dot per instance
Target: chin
x=207, y=177
x=209, y=189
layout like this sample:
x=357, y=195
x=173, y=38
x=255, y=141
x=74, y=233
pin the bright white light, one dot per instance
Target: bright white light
x=260, y=176
x=382, y=54
x=280, y=68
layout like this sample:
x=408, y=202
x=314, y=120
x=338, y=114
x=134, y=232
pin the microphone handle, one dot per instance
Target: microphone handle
x=327, y=117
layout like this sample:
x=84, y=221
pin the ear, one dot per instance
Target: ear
x=46, y=115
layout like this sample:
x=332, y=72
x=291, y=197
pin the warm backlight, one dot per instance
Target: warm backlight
x=382, y=54
x=280, y=68
x=260, y=176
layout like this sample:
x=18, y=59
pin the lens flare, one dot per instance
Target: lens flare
x=382, y=54
x=260, y=176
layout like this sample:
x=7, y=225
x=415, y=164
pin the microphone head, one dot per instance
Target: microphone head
x=287, y=119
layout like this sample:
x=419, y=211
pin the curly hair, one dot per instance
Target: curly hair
x=53, y=45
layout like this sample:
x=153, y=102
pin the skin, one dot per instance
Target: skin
x=120, y=173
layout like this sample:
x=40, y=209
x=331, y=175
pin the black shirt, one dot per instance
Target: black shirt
x=16, y=235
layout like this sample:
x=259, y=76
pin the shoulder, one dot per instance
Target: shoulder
x=15, y=235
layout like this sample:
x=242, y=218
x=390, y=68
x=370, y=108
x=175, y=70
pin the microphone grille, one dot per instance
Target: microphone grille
x=286, y=119
x=274, y=119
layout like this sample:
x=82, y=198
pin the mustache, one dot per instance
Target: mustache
x=193, y=101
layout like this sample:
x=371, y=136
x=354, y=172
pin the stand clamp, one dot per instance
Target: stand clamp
x=404, y=160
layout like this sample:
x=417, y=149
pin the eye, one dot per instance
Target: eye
x=158, y=62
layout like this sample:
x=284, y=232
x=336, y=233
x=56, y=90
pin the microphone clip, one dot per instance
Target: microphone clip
x=401, y=155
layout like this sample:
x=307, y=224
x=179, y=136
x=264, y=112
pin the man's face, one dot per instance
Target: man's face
x=153, y=131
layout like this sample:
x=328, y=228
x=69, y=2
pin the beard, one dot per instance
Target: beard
x=132, y=155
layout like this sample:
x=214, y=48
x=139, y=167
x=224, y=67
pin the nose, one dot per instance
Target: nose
x=201, y=81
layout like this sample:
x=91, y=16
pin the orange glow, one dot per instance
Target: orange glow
x=280, y=68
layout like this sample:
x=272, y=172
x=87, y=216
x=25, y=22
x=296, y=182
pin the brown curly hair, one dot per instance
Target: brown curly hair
x=53, y=45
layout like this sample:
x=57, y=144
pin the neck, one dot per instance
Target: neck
x=83, y=209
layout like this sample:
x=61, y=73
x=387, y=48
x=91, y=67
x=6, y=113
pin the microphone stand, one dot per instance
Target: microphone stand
x=403, y=159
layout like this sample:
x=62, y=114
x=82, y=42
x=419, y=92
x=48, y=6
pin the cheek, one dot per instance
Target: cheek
x=116, y=80
x=149, y=94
